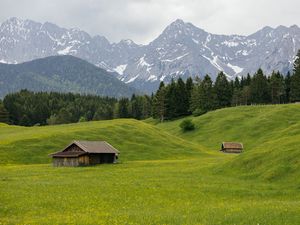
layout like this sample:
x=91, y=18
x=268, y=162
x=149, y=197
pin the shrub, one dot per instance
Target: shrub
x=199, y=112
x=82, y=119
x=187, y=125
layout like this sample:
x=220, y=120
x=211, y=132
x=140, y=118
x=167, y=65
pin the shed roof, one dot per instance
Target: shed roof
x=232, y=145
x=95, y=146
x=86, y=147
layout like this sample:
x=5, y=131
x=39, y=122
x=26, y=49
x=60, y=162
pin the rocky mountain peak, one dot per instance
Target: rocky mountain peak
x=181, y=50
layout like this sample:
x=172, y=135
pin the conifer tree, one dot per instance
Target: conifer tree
x=295, y=80
x=206, y=94
x=159, y=103
x=181, y=98
x=223, y=91
x=276, y=87
x=123, y=108
x=287, y=87
x=259, y=88
x=171, y=100
x=195, y=95
x=189, y=87
x=4, y=116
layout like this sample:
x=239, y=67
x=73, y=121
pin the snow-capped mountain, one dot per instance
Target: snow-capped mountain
x=181, y=50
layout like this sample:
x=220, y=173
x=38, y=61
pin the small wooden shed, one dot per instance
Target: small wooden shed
x=232, y=147
x=84, y=153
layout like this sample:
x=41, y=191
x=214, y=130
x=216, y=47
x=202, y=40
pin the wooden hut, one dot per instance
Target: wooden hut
x=83, y=153
x=232, y=147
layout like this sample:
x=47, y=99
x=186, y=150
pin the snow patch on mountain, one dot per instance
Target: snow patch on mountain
x=120, y=69
x=152, y=78
x=177, y=58
x=236, y=69
x=214, y=62
x=65, y=51
x=230, y=43
x=132, y=79
x=142, y=62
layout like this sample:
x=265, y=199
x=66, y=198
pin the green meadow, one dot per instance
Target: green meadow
x=164, y=176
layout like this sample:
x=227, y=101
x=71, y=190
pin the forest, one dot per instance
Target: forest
x=176, y=99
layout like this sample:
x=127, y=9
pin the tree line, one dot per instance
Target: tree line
x=29, y=108
x=202, y=95
x=176, y=99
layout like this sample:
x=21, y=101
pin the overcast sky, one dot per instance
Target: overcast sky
x=144, y=20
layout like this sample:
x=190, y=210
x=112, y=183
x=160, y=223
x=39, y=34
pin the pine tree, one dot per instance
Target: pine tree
x=259, y=88
x=4, y=116
x=123, y=106
x=287, y=87
x=237, y=84
x=181, y=98
x=295, y=80
x=223, y=91
x=207, y=97
x=195, y=95
x=189, y=87
x=171, y=100
x=159, y=102
x=136, y=107
x=276, y=87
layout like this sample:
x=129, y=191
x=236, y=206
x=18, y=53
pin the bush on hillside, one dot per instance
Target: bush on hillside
x=187, y=125
x=199, y=112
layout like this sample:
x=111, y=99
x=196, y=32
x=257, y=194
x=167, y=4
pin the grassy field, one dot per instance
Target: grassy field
x=165, y=176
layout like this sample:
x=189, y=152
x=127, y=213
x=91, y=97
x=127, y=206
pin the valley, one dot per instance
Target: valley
x=165, y=176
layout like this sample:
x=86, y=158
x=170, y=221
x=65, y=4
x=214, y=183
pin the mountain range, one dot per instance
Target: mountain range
x=61, y=74
x=181, y=50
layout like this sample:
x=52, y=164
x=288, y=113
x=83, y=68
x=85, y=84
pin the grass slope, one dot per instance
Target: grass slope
x=166, y=176
x=136, y=140
x=270, y=134
x=149, y=192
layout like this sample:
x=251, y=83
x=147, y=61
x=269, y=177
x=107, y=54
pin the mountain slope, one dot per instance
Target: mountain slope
x=181, y=50
x=61, y=74
x=270, y=134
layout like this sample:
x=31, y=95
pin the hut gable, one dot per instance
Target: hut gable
x=85, y=153
x=232, y=147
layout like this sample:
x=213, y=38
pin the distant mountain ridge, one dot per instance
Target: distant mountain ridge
x=61, y=74
x=181, y=50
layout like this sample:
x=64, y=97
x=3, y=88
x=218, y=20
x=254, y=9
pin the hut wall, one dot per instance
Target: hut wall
x=234, y=150
x=84, y=160
x=95, y=159
x=65, y=161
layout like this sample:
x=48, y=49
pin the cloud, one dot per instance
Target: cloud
x=143, y=20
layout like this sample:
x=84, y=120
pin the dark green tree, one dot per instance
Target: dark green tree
x=207, y=97
x=287, y=87
x=181, y=98
x=123, y=106
x=4, y=116
x=159, y=103
x=295, y=80
x=189, y=87
x=171, y=100
x=259, y=88
x=223, y=91
x=277, y=88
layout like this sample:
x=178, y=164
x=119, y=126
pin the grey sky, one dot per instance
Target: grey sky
x=143, y=20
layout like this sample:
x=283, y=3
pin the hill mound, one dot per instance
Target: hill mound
x=135, y=140
x=270, y=134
